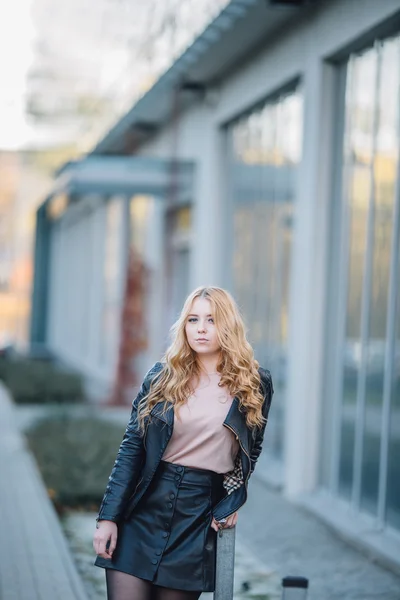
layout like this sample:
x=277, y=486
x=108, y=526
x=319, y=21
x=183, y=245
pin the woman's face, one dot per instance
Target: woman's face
x=200, y=328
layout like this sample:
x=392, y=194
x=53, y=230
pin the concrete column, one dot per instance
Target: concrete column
x=81, y=268
x=66, y=330
x=154, y=257
x=61, y=284
x=75, y=282
x=52, y=286
x=38, y=332
x=97, y=287
x=207, y=209
x=308, y=285
x=87, y=284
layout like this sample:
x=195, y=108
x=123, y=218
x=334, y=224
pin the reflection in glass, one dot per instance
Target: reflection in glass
x=266, y=148
x=384, y=165
x=370, y=167
x=358, y=153
x=393, y=479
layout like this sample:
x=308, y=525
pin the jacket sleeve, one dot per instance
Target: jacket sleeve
x=129, y=460
x=267, y=391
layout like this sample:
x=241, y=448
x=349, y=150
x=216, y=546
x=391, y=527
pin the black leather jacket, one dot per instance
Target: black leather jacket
x=139, y=455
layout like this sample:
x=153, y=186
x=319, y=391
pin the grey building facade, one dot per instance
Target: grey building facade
x=285, y=124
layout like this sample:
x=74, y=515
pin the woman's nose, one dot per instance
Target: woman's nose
x=201, y=327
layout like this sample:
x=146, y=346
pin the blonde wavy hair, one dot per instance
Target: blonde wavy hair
x=237, y=365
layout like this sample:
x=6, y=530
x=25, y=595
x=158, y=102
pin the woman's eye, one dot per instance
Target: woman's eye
x=192, y=319
x=211, y=320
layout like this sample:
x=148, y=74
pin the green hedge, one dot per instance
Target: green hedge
x=40, y=382
x=75, y=456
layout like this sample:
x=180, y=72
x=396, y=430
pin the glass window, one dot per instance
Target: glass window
x=393, y=471
x=384, y=182
x=358, y=156
x=368, y=447
x=265, y=152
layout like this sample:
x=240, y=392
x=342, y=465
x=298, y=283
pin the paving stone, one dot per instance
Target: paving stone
x=35, y=561
x=290, y=541
x=274, y=538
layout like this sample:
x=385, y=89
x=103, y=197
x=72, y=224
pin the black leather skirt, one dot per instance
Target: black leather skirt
x=168, y=539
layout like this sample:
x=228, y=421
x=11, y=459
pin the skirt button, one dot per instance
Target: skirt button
x=154, y=561
x=165, y=534
x=170, y=505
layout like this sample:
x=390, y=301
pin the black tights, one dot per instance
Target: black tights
x=121, y=586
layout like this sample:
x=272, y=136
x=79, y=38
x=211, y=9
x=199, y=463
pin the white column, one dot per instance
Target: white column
x=97, y=288
x=75, y=282
x=207, y=205
x=308, y=285
x=81, y=283
x=66, y=328
x=88, y=285
x=154, y=258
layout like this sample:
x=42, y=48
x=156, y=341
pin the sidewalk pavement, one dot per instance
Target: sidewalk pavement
x=275, y=538
x=287, y=540
x=35, y=561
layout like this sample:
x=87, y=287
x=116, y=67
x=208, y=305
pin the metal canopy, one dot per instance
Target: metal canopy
x=111, y=175
x=93, y=178
x=239, y=30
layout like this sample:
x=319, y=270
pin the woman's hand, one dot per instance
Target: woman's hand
x=230, y=522
x=106, y=531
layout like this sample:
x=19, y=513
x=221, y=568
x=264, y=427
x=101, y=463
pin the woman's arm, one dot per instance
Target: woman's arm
x=267, y=391
x=129, y=460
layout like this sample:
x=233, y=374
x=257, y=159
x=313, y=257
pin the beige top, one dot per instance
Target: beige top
x=199, y=438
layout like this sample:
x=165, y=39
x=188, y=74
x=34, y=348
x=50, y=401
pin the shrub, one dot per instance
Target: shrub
x=39, y=381
x=75, y=457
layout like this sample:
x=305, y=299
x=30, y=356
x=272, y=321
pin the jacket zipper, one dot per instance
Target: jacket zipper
x=248, y=474
x=240, y=443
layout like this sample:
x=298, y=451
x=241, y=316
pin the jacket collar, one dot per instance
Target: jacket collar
x=158, y=412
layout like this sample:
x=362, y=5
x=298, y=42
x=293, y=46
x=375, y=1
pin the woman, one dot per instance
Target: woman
x=191, y=444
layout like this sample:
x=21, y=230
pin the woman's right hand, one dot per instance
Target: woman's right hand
x=106, y=531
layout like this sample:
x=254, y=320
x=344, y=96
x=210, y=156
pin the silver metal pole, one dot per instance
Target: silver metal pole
x=294, y=588
x=225, y=564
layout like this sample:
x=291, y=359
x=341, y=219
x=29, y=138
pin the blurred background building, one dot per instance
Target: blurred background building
x=76, y=68
x=264, y=159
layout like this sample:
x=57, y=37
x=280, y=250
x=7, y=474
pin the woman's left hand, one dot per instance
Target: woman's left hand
x=230, y=522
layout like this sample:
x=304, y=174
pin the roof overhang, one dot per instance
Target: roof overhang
x=106, y=176
x=239, y=30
